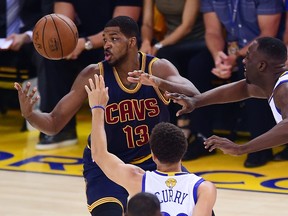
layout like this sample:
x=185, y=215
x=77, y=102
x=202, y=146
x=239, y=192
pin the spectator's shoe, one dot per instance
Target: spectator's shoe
x=282, y=155
x=196, y=148
x=62, y=139
x=258, y=159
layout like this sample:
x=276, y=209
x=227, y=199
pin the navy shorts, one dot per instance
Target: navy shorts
x=100, y=189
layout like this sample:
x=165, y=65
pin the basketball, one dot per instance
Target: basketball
x=55, y=36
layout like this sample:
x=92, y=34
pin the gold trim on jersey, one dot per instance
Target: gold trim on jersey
x=101, y=68
x=169, y=173
x=138, y=86
x=159, y=93
x=141, y=160
x=118, y=80
x=102, y=201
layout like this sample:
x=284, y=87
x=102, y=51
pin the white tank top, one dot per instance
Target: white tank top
x=177, y=192
x=276, y=111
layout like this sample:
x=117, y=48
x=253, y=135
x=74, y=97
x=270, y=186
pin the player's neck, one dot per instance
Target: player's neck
x=131, y=63
x=122, y=70
x=176, y=167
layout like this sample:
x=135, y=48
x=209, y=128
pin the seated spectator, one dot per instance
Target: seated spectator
x=183, y=41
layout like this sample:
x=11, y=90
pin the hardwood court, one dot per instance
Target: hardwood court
x=50, y=183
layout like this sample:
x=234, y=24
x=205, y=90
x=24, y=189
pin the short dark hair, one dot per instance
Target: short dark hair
x=127, y=26
x=143, y=204
x=273, y=48
x=168, y=142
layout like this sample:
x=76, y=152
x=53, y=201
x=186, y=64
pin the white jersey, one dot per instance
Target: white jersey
x=275, y=110
x=177, y=192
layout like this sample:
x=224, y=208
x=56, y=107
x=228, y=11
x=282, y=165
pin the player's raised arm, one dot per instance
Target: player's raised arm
x=126, y=175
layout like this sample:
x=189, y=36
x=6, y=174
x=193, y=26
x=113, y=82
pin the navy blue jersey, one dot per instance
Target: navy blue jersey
x=130, y=118
x=131, y=114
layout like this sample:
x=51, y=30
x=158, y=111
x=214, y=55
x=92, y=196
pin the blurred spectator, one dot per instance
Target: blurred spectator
x=183, y=40
x=17, y=19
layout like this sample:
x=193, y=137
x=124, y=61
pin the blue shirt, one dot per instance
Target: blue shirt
x=242, y=25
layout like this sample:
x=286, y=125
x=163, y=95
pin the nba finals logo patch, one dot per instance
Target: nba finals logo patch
x=170, y=183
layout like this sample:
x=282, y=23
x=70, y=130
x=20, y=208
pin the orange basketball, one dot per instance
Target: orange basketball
x=55, y=36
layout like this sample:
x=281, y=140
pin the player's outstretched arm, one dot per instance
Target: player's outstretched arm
x=275, y=137
x=126, y=175
x=52, y=123
x=166, y=77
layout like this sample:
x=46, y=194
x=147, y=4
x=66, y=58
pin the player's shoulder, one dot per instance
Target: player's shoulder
x=161, y=63
x=207, y=187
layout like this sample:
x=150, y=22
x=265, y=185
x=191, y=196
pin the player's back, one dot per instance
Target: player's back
x=177, y=192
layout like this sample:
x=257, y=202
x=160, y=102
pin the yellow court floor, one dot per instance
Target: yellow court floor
x=17, y=153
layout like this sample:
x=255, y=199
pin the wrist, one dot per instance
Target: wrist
x=98, y=107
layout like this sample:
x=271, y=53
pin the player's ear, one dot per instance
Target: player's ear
x=132, y=41
x=262, y=65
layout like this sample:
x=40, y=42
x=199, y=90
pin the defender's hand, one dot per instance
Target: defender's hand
x=97, y=93
x=224, y=144
x=187, y=103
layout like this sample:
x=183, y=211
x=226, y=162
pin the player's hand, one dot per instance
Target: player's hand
x=188, y=103
x=224, y=144
x=27, y=98
x=97, y=92
x=138, y=76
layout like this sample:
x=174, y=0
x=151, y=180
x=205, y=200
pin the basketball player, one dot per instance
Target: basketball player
x=267, y=78
x=179, y=193
x=143, y=204
x=134, y=109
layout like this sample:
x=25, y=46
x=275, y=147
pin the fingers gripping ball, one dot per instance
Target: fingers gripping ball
x=55, y=36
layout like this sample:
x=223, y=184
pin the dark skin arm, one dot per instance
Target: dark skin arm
x=276, y=136
x=232, y=92
x=52, y=123
x=165, y=77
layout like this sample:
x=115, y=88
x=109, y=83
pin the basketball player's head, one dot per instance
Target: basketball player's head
x=126, y=25
x=272, y=49
x=265, y=54
x=120, y=37
x=168, y=143
x=143, y=204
